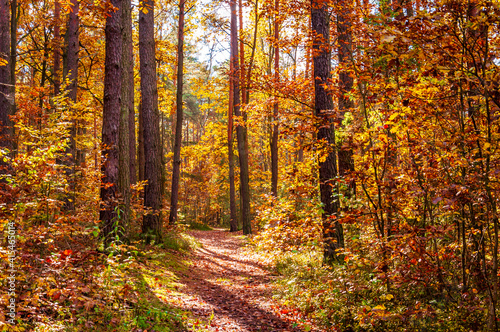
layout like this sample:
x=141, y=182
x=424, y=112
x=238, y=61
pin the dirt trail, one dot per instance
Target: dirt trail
x=228, y=281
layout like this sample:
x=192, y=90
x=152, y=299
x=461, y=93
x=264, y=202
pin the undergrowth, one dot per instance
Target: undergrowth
x=351, y=297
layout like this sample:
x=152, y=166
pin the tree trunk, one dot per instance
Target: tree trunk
x=128, y=80
x=241, y=131
x=151, y=226
x=6, y=97
x=112, y=118
x=323, y=105
x=127, y=106
x=275, y=134
x=71, y=74
x=14, y=7
x=176, y=169
x=57, y=47
x=233, y=218
x=345, y=154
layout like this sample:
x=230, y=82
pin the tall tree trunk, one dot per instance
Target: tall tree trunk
x=127, y=106
x=71, y=74
x=345, y=154
x=176, y=169
x=241, y=131
x=275, y=133
x=151, y=226
x=6, y=97
x=128, y=80
x=323, y=106
x=111, y=124
x=57, y=47
x=233, y=218
x=14, y=17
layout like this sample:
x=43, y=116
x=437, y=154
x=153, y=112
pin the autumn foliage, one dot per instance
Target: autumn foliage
x=407, y=236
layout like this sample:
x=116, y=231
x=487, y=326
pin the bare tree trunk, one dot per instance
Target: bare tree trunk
x=151, y=226
x=57, y=47
x=6, y=97
x=128, y=80
x=241, y=131
x=71, y=73
x=345, y=154
x=332, y=230
x=233, y=218
x=176, y=169
x=127, y=106
x=112, y=116
x=14, y=7
x=275, y=134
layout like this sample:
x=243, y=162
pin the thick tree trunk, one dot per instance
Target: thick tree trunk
x=332, y=230
x=275, y=134
x=127, y=106
x=128, y=81
x=111, y=223
x=151, y=226
x=71, y=73
x=241, y=131
x=6, y=97
x=176, y=169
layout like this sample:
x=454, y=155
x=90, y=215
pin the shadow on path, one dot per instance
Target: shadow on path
x=234, y=287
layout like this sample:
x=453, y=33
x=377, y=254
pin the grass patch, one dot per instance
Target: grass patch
x=179, y=242
x=199, y=226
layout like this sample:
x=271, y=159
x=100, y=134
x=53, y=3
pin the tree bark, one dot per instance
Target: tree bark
x=151, y=226
x=111, y=223
x=127, y=106
x=6, y=97
x=57, y=47
x=275, y=133
x=71, y=74
x=233, y=218
x=323, y=106
x=128, y=80
x=13, y=60
x=241, y=131
x=345, y=154
x=176, y=169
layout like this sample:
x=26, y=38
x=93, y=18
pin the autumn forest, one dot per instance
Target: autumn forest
x=249, y=165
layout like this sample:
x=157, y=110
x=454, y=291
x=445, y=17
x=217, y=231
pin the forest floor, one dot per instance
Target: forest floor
x=212, y=282
x=228, y=286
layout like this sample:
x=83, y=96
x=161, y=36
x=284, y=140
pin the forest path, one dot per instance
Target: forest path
x=228, y=285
